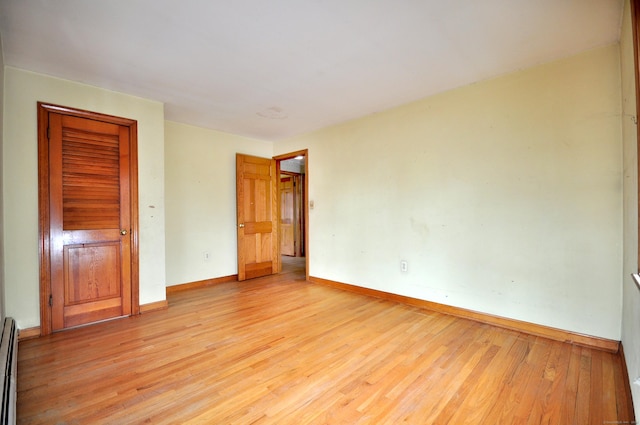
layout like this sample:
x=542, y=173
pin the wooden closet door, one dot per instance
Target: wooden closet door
x=89, y=220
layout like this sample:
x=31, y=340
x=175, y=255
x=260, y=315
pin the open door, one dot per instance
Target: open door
x=291, y=214
x=257, y=210
x=287, y=216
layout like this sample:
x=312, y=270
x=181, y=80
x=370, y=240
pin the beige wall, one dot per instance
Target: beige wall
x=3, y=307
x=504, y=196
x=200, y=200
x=20, y=173
x=631, y=294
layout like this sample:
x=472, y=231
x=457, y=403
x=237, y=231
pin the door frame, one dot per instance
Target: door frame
x=44, y=207
x=305, y=201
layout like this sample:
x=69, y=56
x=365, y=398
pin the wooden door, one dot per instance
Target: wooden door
x=287, y=216
x=300, y=197
x=89, y=233
x=257, y=210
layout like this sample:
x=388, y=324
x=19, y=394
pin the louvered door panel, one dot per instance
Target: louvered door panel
x=90, y=179
x=90, y=220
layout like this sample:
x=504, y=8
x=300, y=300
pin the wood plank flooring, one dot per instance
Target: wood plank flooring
x=279, y=350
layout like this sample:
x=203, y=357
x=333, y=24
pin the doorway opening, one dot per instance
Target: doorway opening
x=292, y=170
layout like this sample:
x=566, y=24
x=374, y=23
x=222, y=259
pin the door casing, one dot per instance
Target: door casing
x=305, y=200
x=44, y=109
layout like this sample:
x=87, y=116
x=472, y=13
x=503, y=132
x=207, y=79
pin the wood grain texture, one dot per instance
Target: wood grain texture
x=278, y=350
x=28, y=333
x=79, y=162
x=90, y=168
x=201, y=283
x=287, y=219
x=257, y=216
x=155, y=306
x=517, y=325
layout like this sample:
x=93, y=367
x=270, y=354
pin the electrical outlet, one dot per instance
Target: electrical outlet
x=404, y=266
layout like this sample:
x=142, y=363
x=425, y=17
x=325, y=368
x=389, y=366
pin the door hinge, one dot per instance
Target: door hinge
x=50, y=300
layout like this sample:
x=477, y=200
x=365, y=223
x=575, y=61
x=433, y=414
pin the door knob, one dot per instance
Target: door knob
x=123, y=232
x=241, y=225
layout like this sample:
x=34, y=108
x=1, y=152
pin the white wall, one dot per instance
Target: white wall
x=504, y=197
x=631, y=294
x=292, y=165
x=20, y=189
x=200, y=192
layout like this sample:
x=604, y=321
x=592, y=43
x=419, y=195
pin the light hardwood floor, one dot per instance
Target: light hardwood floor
x=279, y=350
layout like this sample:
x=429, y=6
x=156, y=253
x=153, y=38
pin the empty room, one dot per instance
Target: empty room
x=319, y=212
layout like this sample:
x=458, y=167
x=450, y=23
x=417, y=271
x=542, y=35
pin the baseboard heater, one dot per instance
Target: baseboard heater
x=9, y=365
